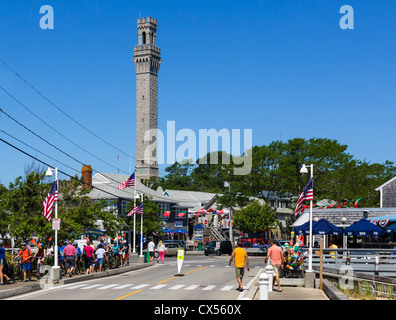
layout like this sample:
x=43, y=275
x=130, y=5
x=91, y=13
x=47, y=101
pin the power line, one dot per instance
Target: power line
x=54, y=105
x=69, y=168
x=48, y=125
x=60, y=109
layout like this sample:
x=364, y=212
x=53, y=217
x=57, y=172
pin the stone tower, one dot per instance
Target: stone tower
x=147, y=61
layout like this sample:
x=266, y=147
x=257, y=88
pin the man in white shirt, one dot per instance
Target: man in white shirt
x=151, y=249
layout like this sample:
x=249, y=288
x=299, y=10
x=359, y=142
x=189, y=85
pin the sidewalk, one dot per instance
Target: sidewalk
x=19, y=287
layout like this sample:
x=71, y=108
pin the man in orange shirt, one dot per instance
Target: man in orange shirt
x=26, y=254
x=275, y=253
x=240, y=256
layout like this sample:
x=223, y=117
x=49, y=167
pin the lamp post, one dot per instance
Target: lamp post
x=304, y=169
x=136, y=196
x=55, y=268
x=141, y=230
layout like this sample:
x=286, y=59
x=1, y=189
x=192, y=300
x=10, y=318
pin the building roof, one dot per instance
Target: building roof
x=194, y=200
x=384, y=184
x=105, y=186
x=334, y=216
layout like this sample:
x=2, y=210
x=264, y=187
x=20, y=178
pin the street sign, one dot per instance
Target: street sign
x=56, y=224
x=180, y=259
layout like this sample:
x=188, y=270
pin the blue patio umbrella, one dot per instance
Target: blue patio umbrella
x=391, y=228
x=363, y=227
x=325, y=227
x=304, y=228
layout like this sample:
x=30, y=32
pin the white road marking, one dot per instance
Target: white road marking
x=108, y=286
x=227, y=288
x=209, y=287
x=123, y=286
x=159, y=286
x=140, y=286
x=92, y=286
x=76, y=286
x=192, y=287
x=178, y=286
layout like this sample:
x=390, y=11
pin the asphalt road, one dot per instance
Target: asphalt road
x=204, y=278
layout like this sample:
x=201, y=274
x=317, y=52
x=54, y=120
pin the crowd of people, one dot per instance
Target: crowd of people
x=72, y=259
x=91, y=258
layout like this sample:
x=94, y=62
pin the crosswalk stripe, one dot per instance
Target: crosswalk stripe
x=140, y=286
x=158, y=286
x=76, y=286
x=192, y=287
x=107, y=287
x=227, y=288
x=92, y=286
x=123, y=286
x=178, y=286
x=209, y=288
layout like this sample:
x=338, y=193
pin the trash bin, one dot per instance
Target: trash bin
x=146, y=257
x=200, y=247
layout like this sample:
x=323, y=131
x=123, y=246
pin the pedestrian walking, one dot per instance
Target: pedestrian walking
x=241, y=257
x=70, y=256
x=89, y=255
x=41, y=256
x=78, y=267
x=151, y=249
x=2, y=263
x=161, y=251
x=275, y=254
x=61, y=257
x=100, y=254
x=26, y=254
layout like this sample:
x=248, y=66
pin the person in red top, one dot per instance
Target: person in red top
x=89, y=255
x=275, y=253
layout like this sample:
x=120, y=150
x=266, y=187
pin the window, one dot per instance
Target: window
x=144, y=37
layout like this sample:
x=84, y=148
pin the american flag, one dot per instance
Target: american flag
x=48, y=203
x=130, y=182
x=306, y=195
x=137, y=209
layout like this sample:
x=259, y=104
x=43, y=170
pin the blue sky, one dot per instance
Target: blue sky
x=282, y=68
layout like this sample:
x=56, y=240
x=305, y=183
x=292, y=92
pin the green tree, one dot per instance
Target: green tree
x=254, y=218
x=23, y=206
x=152, y=221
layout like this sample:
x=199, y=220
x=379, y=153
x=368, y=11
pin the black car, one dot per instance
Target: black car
x=218, y=248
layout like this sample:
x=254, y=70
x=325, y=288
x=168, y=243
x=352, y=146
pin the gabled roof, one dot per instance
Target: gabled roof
x=107, y=188
x=384, y=184
x=194, y=200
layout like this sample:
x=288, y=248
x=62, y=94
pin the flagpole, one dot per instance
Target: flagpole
x=141, y=230
x=134, y=218
x=56, y=217
x=310, y=230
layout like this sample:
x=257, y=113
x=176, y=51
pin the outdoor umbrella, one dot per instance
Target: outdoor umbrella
x=363, y=227
x=304, y=228
x=325, y=227
x=391, y=228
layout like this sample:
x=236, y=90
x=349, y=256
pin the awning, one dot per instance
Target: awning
x=166, y=214
x=383, y=221
x=181, y=214
x=180, y=231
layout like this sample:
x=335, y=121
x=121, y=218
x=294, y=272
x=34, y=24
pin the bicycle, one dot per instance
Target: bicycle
x=18, y=269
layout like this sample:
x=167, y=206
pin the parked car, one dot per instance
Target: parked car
x=172, y=248
x=218, y=248
x=181, y=242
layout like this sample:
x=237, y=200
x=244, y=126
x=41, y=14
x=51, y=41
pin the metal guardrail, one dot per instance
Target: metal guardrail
x=368, y=270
